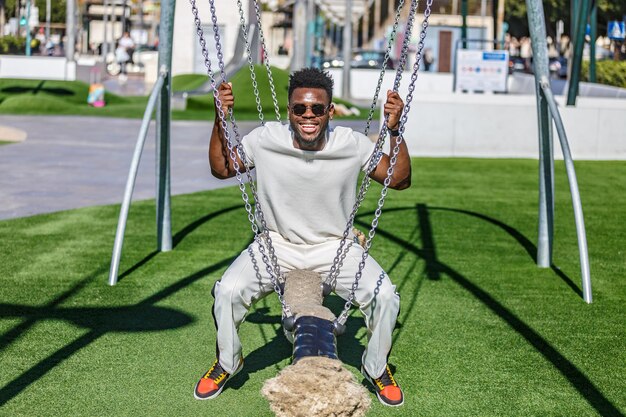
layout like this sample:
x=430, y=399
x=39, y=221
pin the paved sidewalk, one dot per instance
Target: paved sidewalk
x=69, y=162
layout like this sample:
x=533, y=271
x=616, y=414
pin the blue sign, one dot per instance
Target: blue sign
x=494, y=56
x=616, y=30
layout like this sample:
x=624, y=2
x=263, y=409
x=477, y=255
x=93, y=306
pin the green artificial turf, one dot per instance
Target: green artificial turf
x=187, y=82
x=482, y=330
x=20, y=96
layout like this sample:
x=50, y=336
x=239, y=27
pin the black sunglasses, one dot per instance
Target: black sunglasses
x=317, y=109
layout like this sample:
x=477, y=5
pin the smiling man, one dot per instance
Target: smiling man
x=307, y=177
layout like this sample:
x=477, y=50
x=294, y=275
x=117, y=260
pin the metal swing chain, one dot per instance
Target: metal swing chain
x=261, y=117
x=259, y=212
x=233, y=156
x=255, y=86
x=240, y=149
x=341, y=251
x=392, y=38
x=266, y=59
x=341, y=319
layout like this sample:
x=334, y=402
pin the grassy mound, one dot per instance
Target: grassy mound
x=47, y=97
x=243, y=89
x=26, y=104
x=186, y=82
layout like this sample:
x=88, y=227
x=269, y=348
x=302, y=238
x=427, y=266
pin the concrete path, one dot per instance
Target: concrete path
x=67, y=162
x=70, y=162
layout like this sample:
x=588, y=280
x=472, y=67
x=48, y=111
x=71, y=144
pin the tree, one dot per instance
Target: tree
x=57, y=10
x=554, y=10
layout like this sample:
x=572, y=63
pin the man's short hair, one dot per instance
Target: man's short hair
x=311, y=78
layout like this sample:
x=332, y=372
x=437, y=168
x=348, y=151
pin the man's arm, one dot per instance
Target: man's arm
x=219, y=156
x=401, y=177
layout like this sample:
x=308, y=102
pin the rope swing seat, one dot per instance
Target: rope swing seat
x=312, y=327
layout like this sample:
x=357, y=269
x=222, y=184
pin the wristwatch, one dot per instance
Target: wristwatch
x=395, y=132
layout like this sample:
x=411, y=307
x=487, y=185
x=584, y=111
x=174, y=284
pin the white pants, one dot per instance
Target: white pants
x=239, y=288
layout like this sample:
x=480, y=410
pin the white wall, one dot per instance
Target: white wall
x=186, y=48
x=37, y=67
x=505, y=126
x=443, y=123
x=363, y=82
x=96, y=32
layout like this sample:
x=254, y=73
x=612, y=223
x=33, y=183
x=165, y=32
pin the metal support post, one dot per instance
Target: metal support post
x=48, y=10
x=130, y=181
x=27, y=52
x=70, y=29
x=105, y=26
x=581, y=234
x=579, y=42
x=298, y=58
x=483, y=24
x=124, y=22
x=18, y=16
x=163, y=210
x=464, y=22
x=494, y=22
x=546, y=157
x=593, y=35
x=574, y=6
x=501, y=26
x=310, y=32
x=347, y=51
x=545, y=98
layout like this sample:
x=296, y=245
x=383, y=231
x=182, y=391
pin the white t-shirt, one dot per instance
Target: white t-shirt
x=126, y=42
x=306, y=196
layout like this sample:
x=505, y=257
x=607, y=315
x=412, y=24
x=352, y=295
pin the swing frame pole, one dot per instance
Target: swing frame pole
x=546, y=155
x=548, y=112
x=160, y=98
x=163, y=128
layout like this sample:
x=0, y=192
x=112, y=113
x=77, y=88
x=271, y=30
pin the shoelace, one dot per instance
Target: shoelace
x=216, y=373
x=386, y=379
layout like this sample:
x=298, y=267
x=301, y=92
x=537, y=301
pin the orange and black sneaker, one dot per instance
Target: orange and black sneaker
x=387, y=389
x=213, y=381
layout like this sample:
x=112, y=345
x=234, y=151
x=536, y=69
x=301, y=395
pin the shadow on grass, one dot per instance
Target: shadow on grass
x=180, y=235
x=575, y=376
x=530, y=247
x=177, y=238
x=275, y=346
x=143, y=316
x=138, y=265
x=39, y=88
x=140, y=317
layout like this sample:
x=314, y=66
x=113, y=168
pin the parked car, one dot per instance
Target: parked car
x=517, y=64
x=333, y=62
x=558, y=67
x=361, y=58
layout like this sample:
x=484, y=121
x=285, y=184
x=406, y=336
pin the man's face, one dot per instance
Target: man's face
x=309, y=113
